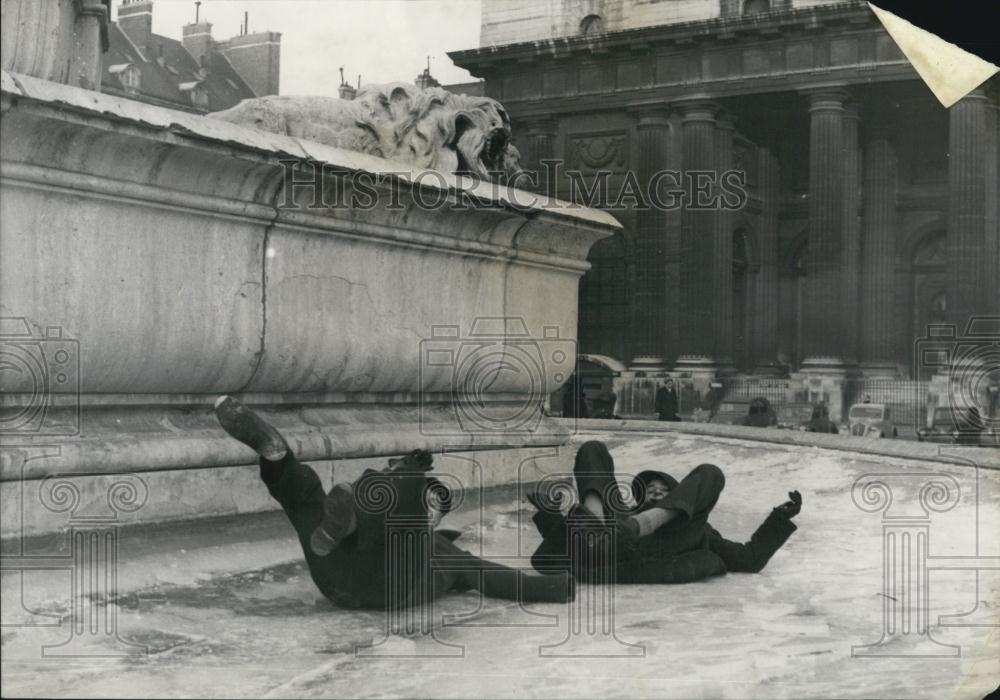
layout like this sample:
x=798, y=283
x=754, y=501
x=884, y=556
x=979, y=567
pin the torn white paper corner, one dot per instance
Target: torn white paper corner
x=949, y=71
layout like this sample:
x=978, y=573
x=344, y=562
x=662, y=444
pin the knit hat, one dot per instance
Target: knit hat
x=641, y=482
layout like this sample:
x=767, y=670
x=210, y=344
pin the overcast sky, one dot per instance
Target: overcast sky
x=383, y=40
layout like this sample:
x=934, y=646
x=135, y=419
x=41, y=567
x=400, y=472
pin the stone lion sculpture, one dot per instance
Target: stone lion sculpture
x=429, y=128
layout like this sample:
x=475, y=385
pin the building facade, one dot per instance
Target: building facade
x=871, y=209
x=196, y=74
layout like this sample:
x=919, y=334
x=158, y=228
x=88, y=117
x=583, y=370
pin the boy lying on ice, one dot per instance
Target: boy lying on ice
x=370, y=544
x=665, y=538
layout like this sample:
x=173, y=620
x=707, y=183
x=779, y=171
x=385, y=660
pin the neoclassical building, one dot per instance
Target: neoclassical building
x=872, y=209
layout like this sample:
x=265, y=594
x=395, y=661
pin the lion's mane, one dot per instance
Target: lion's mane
x=429, y=128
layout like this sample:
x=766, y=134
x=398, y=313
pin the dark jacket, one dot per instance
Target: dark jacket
x=749, y=556
x=666, y=404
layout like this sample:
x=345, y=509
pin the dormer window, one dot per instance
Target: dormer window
x=197, y=93
x=591, y=25
x=129, y=77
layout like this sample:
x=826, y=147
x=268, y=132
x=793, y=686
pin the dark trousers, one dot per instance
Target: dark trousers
x=677, y=552
x=394, y=559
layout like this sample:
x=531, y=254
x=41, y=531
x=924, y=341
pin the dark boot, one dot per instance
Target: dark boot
x=250, y=429
x=549, y=515
x=338, y=522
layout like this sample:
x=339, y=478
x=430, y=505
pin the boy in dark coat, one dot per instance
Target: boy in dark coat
x=666, y=403
x=665, y=538
x=372, y=544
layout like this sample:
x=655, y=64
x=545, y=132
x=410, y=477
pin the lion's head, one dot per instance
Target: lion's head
x=428, y=127
x=437, y=129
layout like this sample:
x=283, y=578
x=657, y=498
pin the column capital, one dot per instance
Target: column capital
x=698, y=108
x=650, y=114
x=826, y=97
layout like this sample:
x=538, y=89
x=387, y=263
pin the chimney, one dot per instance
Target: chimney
x=346, y=91
x=135, y=17
x=425, y=79
x=197, y=39
x=257, y=58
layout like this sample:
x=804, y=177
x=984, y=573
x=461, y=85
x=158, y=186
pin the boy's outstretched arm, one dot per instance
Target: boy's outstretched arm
x=753, y=556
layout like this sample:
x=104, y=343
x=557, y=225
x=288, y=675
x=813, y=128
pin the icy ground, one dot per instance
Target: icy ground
x=785, y=633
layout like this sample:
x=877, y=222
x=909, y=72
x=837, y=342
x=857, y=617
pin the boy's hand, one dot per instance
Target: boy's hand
x=791, y=507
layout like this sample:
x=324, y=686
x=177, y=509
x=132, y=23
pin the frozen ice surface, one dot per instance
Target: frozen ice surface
x=784, y=633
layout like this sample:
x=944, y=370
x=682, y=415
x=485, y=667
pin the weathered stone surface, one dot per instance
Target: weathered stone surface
x=426, y=127
x=167, y=250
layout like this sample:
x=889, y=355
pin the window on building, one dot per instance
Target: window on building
x=755, y=6
x=199, y=97
x=592, y=24
x=130, y=78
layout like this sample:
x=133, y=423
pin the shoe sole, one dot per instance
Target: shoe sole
x=232, y=416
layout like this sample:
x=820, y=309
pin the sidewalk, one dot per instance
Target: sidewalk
x=226, y=609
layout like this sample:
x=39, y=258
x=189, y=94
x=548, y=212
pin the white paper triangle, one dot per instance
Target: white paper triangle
x=949, y=71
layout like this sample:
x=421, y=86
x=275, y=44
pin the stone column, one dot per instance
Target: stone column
x=538, y=144
x=972, y=183
x=766, y=313
x=649, y=332
x=697, y=234
x=722, y=253
x=878, y=258
x=992, y=147
x=852, y=233
x=825, y=327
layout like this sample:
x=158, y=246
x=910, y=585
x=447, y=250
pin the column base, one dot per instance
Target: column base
x=699, y=376
x=880, y=370
x=698, y=365
x=648, y=365
x=824, y=380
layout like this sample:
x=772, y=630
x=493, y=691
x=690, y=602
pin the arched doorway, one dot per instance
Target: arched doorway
x=603, y=325
x=928, y=297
